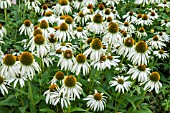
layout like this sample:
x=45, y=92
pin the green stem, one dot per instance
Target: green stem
x=5, y=14
x=69, y=109
x=116, y=100
x=31, y=98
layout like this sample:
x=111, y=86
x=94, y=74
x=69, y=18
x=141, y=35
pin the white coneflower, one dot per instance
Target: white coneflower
x=64, y=46
x=27, y=28
x=121, y=67
x=39, y=45
x=58, y=97
x=70, y=22
x=44, y=26
x=165, y=23
x=87, y=9
x=153, y=82
x=60, y=20
x=127, y=26
x=81, y=63
x=156, y=43
x=45, y=9
x=127, y=47
x=78, y=4
x=66, y=60
x=112, y=36
x=59, y=76
x=27, y=65
x=62, y=7
x=5, y=4
x=52, y=88
x=71, y=88
x=86, y=42
x=163, y=36
x=97, y=101
x=125, y=34
x=49, y=17
x=144, y=2
x=111, y=3
x=140, y=55
x=141, y=32
x=81, y=33
x=3, y=83
x=100, y=10
x=18, y=78
x=107, y=13
x=115, y=14
x=2, y=31
x=113, y=60
x=145, y=20
x=8, y=68
x=87, y=2
x=47, y=60
x=52, y=41
x=161, y=54
x=164, y=4
x=140, y=72
x=63, y=34
x=102, y=63
x=81, y=18
x=33, y=4
x=97, y=26
x=153, y=15
x=121, y=83
x=130, y=17
x=95, y=50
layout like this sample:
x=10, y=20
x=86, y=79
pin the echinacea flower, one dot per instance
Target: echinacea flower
x=58, y=97
x=71, y=88
x=141, y=72
x=127, y=26
x=3, y=83
x=8, y=68
x=5, y=4
x=95, y=50
x=59, y=76
x=39, y=45
x=45, y=9
x=48, y=17
x=33, y=4
x=113, y=60
x=161, y=54
x=96, y=25
x=2, y=31
x=102, y=63
x=130, y=16
x=127, y=47
x=97, y=101
x=81, y=18
x=63, y=34
x=81, y=64
x=27, y=28
x=140, y=55
x=145, y=20
x=121, y=83
x=27, y=65
x=81, y=33
x=52, y=88
x=153, y=82
x=62, y=7
x=141, y=32
x=112, y=35
x=66, y=60
x=156, y=42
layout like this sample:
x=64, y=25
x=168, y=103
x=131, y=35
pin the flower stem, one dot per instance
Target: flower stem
x=31, y=98
x=5, y=14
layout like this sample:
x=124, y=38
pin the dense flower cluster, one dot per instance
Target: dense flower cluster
x=83, y=35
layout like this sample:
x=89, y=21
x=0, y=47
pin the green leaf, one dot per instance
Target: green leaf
x=103, y=91
x=23, y=108
x=77, y=109
x=47, y=110
x=10, y=101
